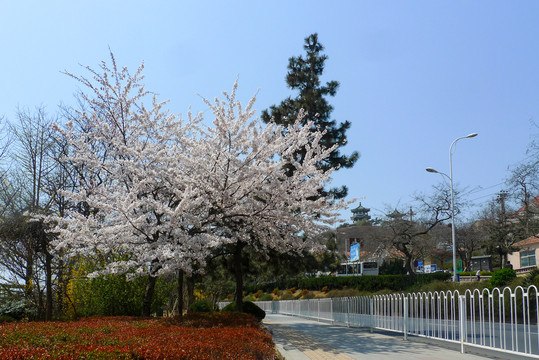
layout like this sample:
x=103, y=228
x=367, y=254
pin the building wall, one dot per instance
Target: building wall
x=514, y=258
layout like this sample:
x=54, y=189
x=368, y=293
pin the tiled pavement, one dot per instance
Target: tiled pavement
x=301, y=339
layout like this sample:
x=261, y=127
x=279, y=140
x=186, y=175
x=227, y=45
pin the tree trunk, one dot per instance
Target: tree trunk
x=48, y=285
x=148, y=296
x=28, y=285
x=409, y=268
x=238, y=272
x=180, y=292
x=190, y=290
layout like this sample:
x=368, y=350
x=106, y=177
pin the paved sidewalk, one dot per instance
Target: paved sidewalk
x=302, y=339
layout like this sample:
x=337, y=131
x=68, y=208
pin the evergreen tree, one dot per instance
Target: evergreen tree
x=304, y=76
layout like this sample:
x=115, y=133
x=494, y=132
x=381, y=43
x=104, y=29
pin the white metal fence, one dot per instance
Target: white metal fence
x=499, y=319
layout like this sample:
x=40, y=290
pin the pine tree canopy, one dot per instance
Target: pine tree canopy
x=304, y=76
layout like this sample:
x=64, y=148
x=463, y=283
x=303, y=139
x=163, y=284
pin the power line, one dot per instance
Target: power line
x=480, y=188
x=484, y=196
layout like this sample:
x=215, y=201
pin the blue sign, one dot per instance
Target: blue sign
x=354, y=252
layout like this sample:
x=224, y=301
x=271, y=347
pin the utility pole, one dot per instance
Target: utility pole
x=501, y=199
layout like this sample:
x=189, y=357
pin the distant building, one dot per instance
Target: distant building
x=526, y=258
x=360, y=214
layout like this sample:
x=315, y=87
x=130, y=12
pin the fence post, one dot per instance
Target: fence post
x=331, y=311
x=462, y=320
x=371, y=306
x=348, y=312
x=405, y=318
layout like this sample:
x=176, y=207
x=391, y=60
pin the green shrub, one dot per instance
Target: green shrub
x=368, y=283
x=6, y=319
x=18, y=310
x=532, y=278
x=200, y=307
x=502, y=277
x=288, y=296
x=343, y=293
x=265, y=297
x=249, y=308
x=393, y=267
x=308, y=295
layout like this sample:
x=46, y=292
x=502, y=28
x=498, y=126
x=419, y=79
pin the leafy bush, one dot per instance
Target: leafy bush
x=265, y=297
x=253, y=309
x=18, y=310
x=393, y=267
x=6, y=319
x=200, y=307
x=308, y=295
x=288, y=296
x=249, y=308
x=532, y=278
x=343, y=293
x=367, y=283
x=502, y=277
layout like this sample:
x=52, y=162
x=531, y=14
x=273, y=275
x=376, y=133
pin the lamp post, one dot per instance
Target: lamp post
x=429, y=169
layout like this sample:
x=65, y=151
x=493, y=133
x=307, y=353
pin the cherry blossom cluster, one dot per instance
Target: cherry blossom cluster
x=164, y=192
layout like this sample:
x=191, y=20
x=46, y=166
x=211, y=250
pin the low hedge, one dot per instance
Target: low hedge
x=200, y=307
x=370, y=283
x=249, y=308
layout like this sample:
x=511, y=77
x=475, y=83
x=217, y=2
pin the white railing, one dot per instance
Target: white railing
x=504, y=320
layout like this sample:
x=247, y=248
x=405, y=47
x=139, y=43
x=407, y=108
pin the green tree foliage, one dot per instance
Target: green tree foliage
x=502, y=277
x=393, y=267
x=304, y=76
x=115, y=295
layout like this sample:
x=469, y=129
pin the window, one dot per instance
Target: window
x=527, y=258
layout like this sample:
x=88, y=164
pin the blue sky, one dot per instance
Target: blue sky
x=414, y=75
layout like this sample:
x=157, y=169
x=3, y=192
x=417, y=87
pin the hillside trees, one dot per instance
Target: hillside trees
x=158, y=193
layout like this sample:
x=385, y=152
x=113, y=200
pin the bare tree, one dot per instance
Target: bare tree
x=469, y=238
x=33, y=165
x=411, y=233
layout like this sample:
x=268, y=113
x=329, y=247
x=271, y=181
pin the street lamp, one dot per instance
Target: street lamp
x=429, y=169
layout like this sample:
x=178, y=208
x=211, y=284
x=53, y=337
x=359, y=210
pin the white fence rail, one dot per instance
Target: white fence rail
x=499, y=319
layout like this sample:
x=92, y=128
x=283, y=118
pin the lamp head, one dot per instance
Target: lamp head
x=472, y=135
x=429, y=169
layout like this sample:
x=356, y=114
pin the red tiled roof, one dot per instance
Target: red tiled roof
x=528, y=241
x=533, y=202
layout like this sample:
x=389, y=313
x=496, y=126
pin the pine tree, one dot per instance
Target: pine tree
x=304, y=76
